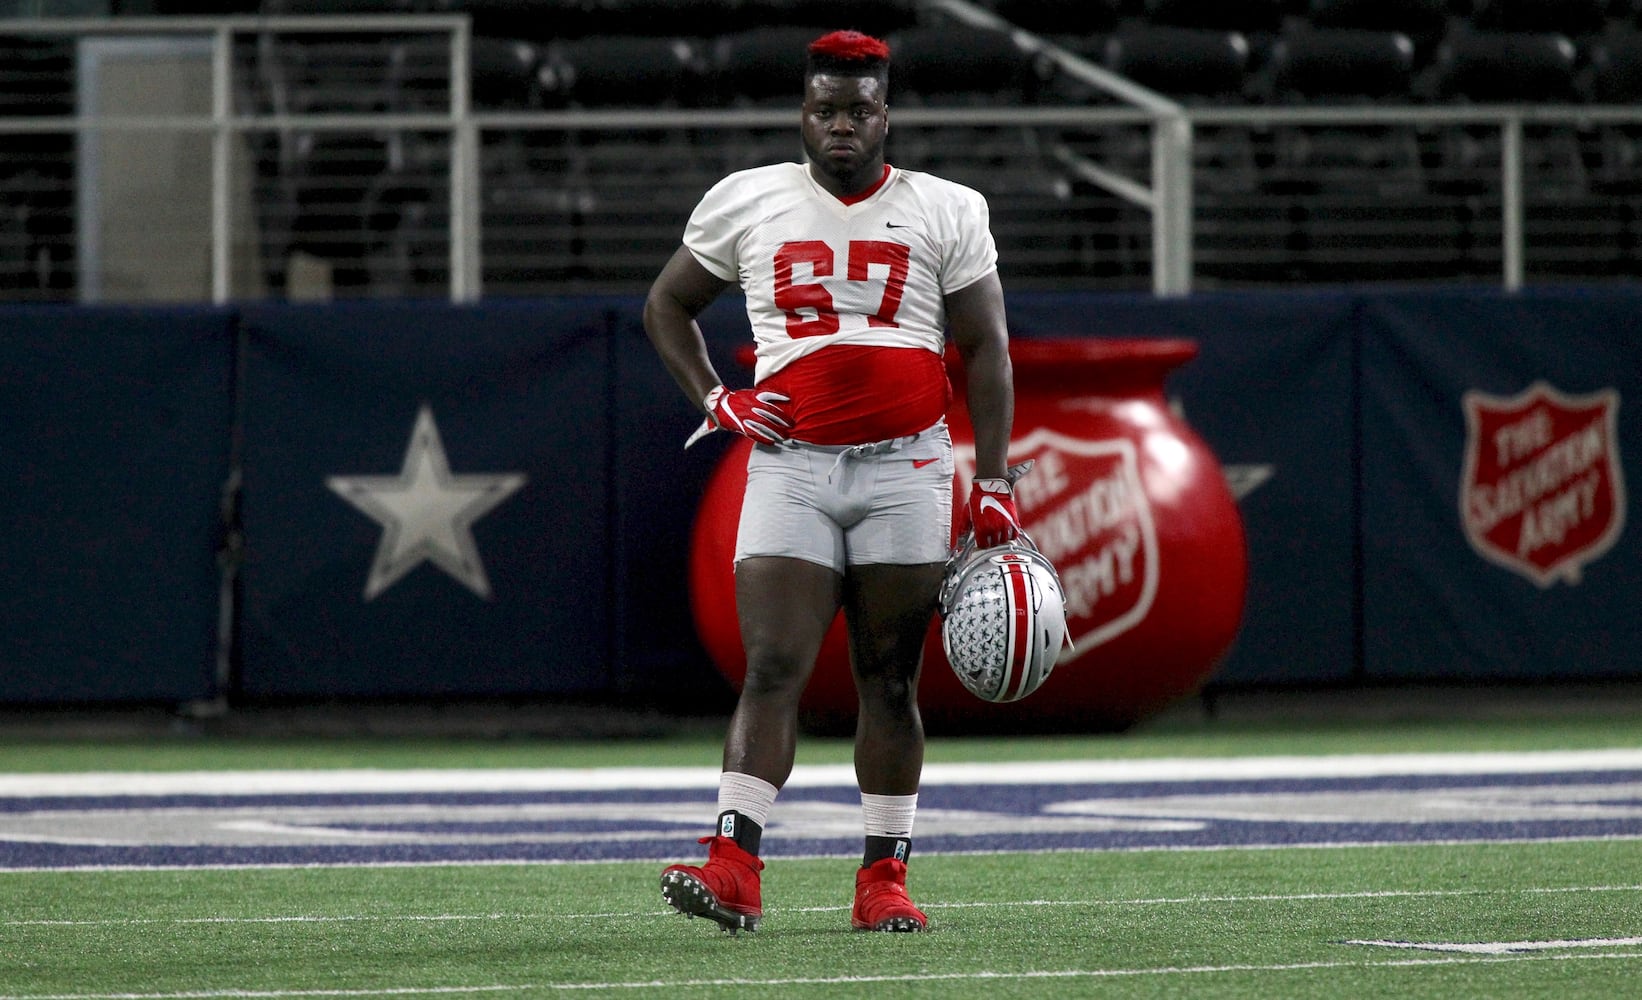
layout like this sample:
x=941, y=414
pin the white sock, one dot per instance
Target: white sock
x=751, y=797
x=888, y=815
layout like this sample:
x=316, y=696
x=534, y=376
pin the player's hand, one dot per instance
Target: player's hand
x=749, y=412
x=992, y=512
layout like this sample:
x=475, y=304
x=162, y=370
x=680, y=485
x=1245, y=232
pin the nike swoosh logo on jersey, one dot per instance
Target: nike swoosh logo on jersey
x=897, y=225
x=919, y=463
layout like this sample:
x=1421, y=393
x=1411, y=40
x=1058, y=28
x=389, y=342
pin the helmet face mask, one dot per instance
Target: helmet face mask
x=1003, y=619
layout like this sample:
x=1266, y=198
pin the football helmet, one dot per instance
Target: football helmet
x=1003, y=618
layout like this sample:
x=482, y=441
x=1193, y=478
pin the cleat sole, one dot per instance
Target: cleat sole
x=897, y=925
x=689, y=896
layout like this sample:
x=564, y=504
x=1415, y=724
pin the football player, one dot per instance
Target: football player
x=854, y=272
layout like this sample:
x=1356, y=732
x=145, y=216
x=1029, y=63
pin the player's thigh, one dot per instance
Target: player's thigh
x=784, y=607
x=889, y=608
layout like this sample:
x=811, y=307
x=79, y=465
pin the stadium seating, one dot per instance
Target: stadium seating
x=1344, y=66
x=1506, y=66
x=1574, y=18
x=638, y=71
x=1356, y=195
x=877, y=17
x=1062, y=19
x=36, y=170
x=1423, y=22
x=759, y=67
x=601, y=207
x=1196, y=64
x=1615, y=150
x=1616, y=68
x=1245, y=16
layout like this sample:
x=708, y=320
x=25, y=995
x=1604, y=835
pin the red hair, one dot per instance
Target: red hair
x=849, y=47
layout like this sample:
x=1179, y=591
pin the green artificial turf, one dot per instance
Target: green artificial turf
x=1232, y=923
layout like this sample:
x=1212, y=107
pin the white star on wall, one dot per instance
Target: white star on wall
x=425, y=512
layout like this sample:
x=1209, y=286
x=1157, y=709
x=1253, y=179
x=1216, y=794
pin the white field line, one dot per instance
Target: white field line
x=457, y=780
x=1318, y=845
x=933, y=977
x=1016, y=904
x=1503, y=947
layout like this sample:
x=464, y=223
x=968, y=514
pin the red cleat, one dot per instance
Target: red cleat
x=725, y=889
x=881, y=901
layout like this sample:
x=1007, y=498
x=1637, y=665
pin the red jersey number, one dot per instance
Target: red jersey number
x=791, y=296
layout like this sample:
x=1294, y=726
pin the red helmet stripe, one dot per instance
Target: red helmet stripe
x=1020, y=626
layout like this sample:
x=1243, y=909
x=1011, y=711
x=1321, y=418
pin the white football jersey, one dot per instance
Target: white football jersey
x=818, y=272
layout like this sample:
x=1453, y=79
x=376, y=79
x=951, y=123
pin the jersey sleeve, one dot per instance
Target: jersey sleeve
x=972, y=254
x=713, y=232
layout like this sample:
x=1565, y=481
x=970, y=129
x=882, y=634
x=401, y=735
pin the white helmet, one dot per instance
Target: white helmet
x=1003, y=618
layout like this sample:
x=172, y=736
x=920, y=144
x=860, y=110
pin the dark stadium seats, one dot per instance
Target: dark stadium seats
x=207, y=8
x=1411, y=17
x=1355, y=195
x=1194, y=66
x=631, y=189
x=605, y=71
x=875, y=17
x=299, y=8
x=760, y=67
x=628, y=232
x=524, y=20
x=37, y=174
x=1489, y=67
x=958, y=64
x=1574, y=18
x=1198, y=64
x=1616, y=78
x=36, y=75
x=1245, y=16
x=671, y=18
x=1422, y=21
x=547, y=20
x=1061, y=18
x=621, y=72
x=1342, y=64
x=37, y=248
x=314, y=195
x=403, y=247
x=1616, y=68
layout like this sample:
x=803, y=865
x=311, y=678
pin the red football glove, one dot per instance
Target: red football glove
x=992, y=512
x=748, y=412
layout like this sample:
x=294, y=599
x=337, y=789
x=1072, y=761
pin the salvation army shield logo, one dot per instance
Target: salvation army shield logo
x=1543, y=491
x=1085, y=508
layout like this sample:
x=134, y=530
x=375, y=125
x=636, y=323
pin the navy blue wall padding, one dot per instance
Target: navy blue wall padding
x=657, y=487
x=113, y=455
x=1271, y=391
x=1435, y=609
x=118, y=436
x=513, y=388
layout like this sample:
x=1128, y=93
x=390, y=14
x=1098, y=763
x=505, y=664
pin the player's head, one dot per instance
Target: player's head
x=848, y=53
x=846, y=110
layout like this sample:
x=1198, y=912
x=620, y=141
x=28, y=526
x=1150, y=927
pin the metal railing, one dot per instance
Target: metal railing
x=224, y=123
x=1163, y=188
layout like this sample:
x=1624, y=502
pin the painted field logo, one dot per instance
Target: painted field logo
x=1084, y=506
x=1543, y=490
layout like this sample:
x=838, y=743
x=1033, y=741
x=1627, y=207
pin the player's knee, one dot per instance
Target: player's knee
x=889, y=694
x=775, y=674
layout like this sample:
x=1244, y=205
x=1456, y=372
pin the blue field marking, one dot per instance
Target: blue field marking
x=261, y=818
